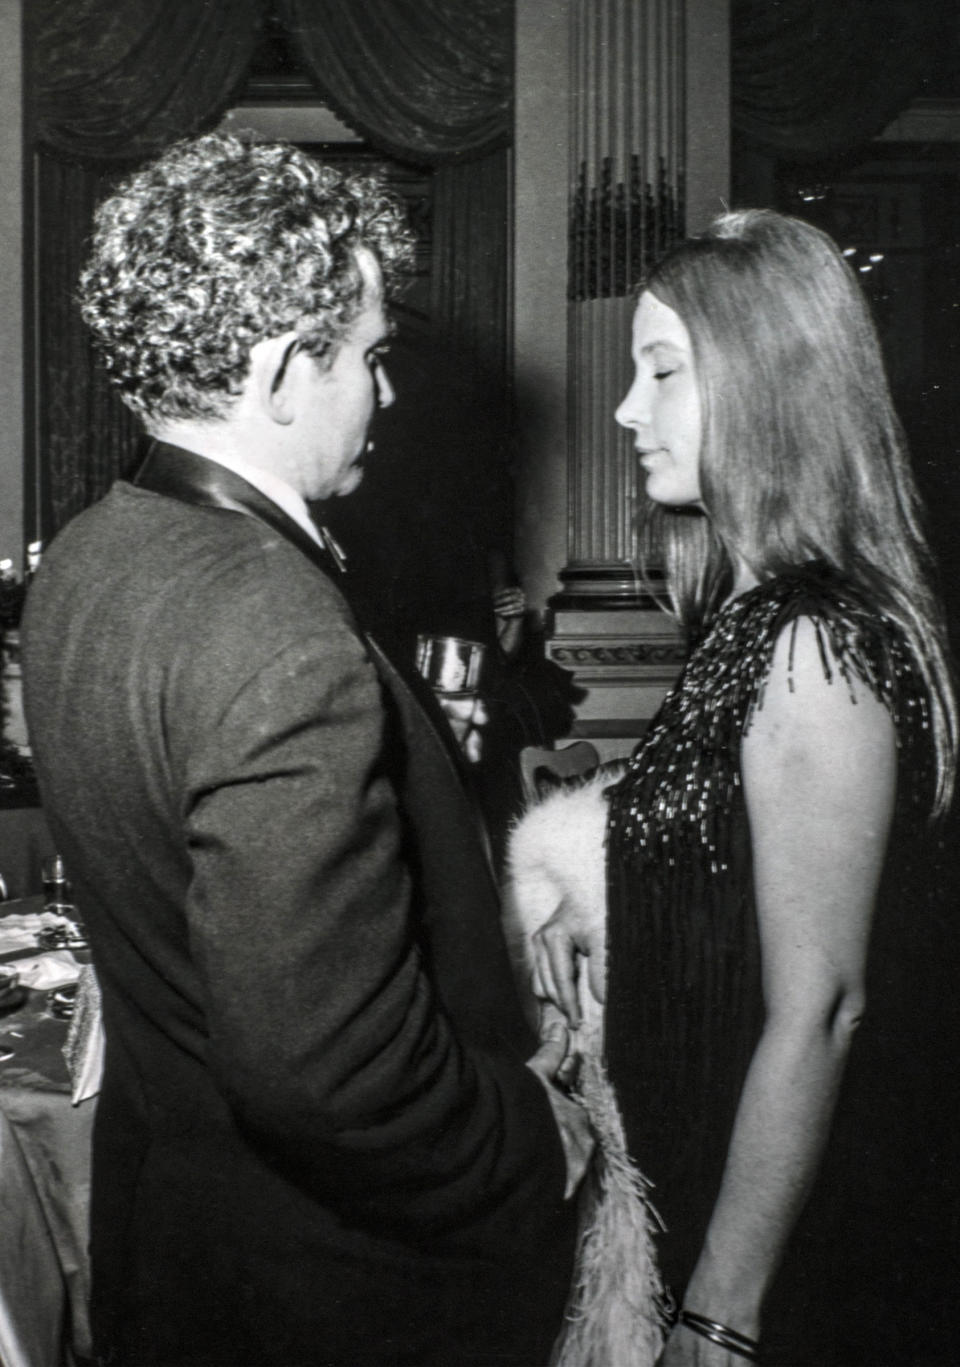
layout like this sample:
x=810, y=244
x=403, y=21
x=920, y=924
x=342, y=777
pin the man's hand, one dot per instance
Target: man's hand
x=572, y=1122
x=467, y=716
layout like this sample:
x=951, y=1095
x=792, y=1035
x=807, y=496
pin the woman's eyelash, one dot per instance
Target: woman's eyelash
x=662, y=374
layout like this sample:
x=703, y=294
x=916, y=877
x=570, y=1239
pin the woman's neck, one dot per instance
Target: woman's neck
x=744, y=580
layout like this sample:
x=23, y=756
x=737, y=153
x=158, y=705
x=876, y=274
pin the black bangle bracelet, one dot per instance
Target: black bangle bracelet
x=719, y=1334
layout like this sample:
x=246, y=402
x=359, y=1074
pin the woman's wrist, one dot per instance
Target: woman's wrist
x=730, y=1299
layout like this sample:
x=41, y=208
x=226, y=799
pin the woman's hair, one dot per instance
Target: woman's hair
x=213, y=247
x=802, y=456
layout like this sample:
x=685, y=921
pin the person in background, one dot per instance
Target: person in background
x=318, y=1139
x=771, y=989
x=509, y=604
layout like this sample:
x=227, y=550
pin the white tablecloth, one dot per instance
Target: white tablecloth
x=44, y=1192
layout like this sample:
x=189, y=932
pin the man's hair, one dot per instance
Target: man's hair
x=218, y=244
x=802, y=455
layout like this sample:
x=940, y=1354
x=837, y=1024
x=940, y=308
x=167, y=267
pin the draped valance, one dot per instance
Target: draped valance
x=426, y=80
x=430, y=80
x=122, y=78
x=813, y=79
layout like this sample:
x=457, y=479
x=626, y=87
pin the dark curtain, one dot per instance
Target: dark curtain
x=84, y=432
x=813, y=79
x=428, y=80
x=471, y=255
x=122, y=78
x=107, y=84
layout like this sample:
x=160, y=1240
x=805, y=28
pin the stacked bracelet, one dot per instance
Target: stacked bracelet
x=719, y=1333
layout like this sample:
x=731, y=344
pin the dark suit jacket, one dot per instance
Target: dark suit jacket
x=316, y=1140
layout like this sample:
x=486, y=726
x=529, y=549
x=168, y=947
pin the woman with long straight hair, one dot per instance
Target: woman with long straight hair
x=767, y=843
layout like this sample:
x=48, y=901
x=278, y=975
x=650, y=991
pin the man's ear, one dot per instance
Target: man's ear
x=270, y=374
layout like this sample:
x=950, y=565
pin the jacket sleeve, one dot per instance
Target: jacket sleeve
x=325, y=1032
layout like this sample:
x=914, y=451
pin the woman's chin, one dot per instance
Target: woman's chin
x=661, y=491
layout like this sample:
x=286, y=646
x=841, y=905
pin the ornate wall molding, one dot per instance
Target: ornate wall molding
x=618, y=230
x=575, y=657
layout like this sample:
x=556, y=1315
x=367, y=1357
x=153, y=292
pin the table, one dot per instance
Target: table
x=44, y=1192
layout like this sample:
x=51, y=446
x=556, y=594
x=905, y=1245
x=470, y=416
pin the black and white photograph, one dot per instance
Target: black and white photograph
x=479, y=713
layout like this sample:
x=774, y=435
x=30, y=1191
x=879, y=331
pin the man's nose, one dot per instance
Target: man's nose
x=385, y=391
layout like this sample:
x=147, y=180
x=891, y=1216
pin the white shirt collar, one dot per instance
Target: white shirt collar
x=277, y=490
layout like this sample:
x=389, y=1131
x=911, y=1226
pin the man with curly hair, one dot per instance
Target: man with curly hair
x=317, y=1139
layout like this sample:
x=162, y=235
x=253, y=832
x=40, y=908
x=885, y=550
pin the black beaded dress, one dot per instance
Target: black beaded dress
x=684, y=1003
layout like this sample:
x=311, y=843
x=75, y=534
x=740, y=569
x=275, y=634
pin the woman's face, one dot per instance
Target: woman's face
x=662, y=406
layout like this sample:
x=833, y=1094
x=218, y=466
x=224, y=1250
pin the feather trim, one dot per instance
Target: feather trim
x=617, y=1312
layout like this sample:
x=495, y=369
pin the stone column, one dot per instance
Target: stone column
x=627, y=175
x=634, y=94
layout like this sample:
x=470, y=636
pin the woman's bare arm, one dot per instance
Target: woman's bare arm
x=819, y=771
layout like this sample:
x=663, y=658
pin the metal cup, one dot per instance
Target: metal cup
x=449, y=664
